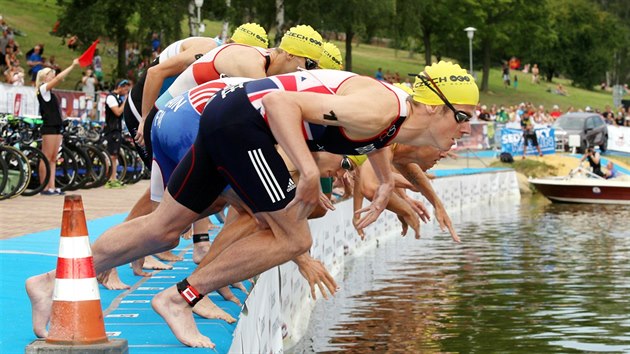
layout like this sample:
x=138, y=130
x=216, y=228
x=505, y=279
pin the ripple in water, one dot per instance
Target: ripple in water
x=533, y=277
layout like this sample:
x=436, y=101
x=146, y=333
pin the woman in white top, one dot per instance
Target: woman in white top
x=51, y=115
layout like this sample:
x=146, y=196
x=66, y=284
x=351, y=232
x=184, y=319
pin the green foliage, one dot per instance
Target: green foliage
x=580, y=40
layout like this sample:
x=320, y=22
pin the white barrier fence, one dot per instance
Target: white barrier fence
x=619, y=138
x=277, y=311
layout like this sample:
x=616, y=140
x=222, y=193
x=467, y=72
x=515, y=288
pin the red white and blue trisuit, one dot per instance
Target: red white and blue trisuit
x=236, y=147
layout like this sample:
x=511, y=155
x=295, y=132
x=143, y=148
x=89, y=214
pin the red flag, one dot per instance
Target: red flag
x=86, y=58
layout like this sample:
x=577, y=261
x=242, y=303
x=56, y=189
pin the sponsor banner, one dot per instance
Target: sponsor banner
x=619, y=138
x=512, y=141
x=22, y=101
x=479, y=138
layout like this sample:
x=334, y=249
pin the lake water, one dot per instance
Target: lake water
x=530, y=277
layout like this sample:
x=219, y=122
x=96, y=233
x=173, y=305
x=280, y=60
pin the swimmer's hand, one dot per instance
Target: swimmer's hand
x=316, y=274
x=381, y=198
x=307, y=196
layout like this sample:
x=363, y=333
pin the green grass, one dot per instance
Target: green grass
x=528, y=167
x=36, y=19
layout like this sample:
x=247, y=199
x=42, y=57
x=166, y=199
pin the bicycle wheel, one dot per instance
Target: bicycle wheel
x=84, y=167
x=134, y=165
x=121, y=168
x=35, y=158
x=19, y=172
x=4, y=174
x=99, y=159
x=66, y=170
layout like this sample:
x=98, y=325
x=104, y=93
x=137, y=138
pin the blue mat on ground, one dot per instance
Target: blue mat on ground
x=132, y=318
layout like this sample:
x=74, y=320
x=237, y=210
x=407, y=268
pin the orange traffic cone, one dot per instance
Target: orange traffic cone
x=77, y=316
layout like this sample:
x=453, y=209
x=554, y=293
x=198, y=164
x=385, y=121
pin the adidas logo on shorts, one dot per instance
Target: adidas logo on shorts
x=291, y=186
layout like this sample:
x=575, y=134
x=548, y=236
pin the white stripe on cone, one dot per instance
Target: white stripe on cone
x=76, y=290
x=75, y=247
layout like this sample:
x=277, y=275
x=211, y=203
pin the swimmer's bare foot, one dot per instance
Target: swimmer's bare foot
x=137, y=266
x=187, y=235
x=228, y=295
x=240, y=286
x=40, y=292
x=199, y=250
x=151, y=262
x=208, y=309
x=168, y=256
x=179, y=316
x=110, y=280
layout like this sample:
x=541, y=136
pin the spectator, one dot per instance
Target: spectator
x=484, y=114
x=388, y=76
x=52, y=63
x=555, y=112
x=155, y=42
x=515, y=82
x=90, y=82
x=114, y=107
x=379, y=74
x=73, y=42
x=541, y=117
x=535, y=74
x=14, y=45
x=620, y=120
x=35, y=62
x=10, y=58
x=4, y=40
x=3, y=24
x=608, y=115
x=17, y=76
x=506, y=75
x=529, y=134
x=560, y=90
x=407, y=82
x=97, y=64
x=32, y=50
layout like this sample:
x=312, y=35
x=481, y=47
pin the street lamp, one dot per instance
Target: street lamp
x=471, y=33
x=199, y=4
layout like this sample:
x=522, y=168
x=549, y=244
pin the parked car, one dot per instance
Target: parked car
x=591, y=128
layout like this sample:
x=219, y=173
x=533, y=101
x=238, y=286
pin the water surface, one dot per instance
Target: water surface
x=530, y=277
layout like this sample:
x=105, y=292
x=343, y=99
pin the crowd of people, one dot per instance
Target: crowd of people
x=262, y=131
x=543, y=116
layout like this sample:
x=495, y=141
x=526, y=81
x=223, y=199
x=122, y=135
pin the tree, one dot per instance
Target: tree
x=113, y=19
x=351, y=17
x=588, y=39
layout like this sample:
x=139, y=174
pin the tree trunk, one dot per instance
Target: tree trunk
x=226, y=23
x=412, y=47
x=192, y=18
x=279, y=21
x=349, y=36
x=549, y=74
x=426, y=40
x=122, y=60
x=487, y=52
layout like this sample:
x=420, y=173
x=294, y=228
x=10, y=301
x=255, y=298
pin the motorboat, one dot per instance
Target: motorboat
x=583, y=186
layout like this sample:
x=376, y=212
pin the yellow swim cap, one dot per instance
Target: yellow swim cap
x=302, y=41
x=251, y=34
x=456, y=84
x=331, y=57
x=358, y=159
x=404, y=88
